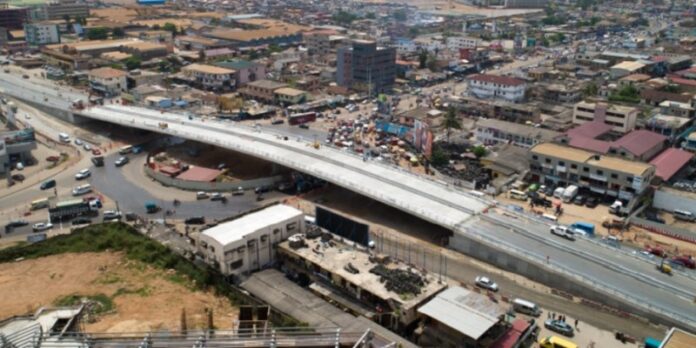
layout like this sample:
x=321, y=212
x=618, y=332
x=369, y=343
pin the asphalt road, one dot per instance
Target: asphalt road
x=645, y=289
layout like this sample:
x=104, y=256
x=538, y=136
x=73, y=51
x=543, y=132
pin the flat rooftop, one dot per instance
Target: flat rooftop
x=677, y=338
x=334, y=256
x=236, y=229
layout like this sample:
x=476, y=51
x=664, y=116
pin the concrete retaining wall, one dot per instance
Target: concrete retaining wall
x=546, y=275
x=669, y=200
x=211, y=186
x=61, y=114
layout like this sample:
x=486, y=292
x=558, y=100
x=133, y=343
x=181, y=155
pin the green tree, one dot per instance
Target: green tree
x=479, y=151
x=370, y=15
x=99, y=33
x=117, y=32
x=344, y=17
x=451, y=121
x=170, y=27
x=132, y=63
x=273, y=48
x=590, y=90
x=438, y=157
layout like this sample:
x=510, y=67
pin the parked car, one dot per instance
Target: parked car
x=17, y=223
x=560, y=327
x=78, y=142
x=277, y=122
x=196, y=220
x=81, y=221
x=261, y=189
x=580, y=200
x=652, y=216
x=202, y=195
x=83, y=174
x=131, y=216
x=42, y=226
x=591, y=202
x=87, y=147
x=121, y=161
x=486, y=283
x=304, y=126
x=18, y=177
x=96, y=152
x=111, y=215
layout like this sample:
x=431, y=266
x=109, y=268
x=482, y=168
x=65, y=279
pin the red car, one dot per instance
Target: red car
x=657, y=251
x=96, y=152
x=52, y=159
x=686, y=261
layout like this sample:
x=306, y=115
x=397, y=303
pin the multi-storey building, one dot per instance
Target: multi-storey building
x=621, y=118
x=37, y=34
x=247, y=243
x=556, y=164
x=497, y=87
x=263, y=90
x=12, y=18
x=246, y=71
x=318, y=42
x=209, y=77
x=62, y=8
x=492, y=131
x=366, y=67
x=108, y=81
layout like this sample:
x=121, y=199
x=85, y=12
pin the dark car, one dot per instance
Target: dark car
x=560, y=327
x=17, y=177
x=652, y=216
x=17, y=223
x=121, y=161
x=277, y=122
x=580, y=200
x=131, y=216
x=261, y=189
x=591, y=202
x=81, y=221
x=304, y=126
x=48, y=184
x=196, y=220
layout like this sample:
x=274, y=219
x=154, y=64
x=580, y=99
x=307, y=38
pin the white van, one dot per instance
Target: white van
x=549, y=217
x=125, y=150
x=558, y=192
x=517, y=194
x=82, y=189
x=64, y=137
x=39, y=204
x=525, y=307
x=683, y=215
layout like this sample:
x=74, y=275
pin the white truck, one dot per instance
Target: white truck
x=570, y=193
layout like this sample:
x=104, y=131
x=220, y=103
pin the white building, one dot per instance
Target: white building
x=108, y=81
x=497, y=87
x=37, y=34
x=209, y=76
x=456, y=43
x=247, y=244
x=621, y=118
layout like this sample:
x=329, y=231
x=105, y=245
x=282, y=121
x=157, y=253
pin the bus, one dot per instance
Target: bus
x=517, y=194
x=39, y=204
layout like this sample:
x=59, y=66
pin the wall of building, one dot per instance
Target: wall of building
x=670, y=200
x=209, y=186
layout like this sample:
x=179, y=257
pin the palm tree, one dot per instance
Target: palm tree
x=451, y=121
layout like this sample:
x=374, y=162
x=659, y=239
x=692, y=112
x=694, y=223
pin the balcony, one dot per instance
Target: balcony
x=598, y=177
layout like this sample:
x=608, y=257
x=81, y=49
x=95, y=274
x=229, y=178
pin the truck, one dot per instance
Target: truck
x=98, y=161
x=302, y=118
x=151, y=207
x=583, y=227
x=72, y=208
x=570, y=193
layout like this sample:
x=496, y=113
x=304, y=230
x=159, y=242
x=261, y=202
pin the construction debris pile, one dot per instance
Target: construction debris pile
x=400, y=281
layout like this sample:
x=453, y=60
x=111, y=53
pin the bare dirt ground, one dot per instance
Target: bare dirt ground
x=144, y=298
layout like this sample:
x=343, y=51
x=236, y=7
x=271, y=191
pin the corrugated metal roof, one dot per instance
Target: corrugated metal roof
x=470, y=313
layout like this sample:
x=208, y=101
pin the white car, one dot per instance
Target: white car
x=83, y=174
x=78, y=142
x=111, y=215
x=42, y=226
x=486, y=283
x=87, y=147
x=563, y=231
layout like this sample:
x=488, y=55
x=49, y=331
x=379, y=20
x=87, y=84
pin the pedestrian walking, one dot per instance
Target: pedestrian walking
x=576, y=323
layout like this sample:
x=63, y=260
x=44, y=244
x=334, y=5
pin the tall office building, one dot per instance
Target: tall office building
x=12, y=18
x=366, y=67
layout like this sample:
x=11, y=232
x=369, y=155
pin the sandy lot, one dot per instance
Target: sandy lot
x=144, y=298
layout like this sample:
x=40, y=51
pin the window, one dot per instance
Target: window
x=276, y=231
x=629, y=178
x=291, y=226
x=600, y=172
x=614, y=176
x=236, y=264
x=574, y=166
x=548, y=160
x=561, y=163
x=585, y=169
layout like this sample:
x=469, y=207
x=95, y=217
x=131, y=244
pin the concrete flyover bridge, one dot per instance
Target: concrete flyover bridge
x=435, y=202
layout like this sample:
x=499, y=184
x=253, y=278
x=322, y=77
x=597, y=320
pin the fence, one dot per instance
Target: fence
x=665, y=230
x=211, y=186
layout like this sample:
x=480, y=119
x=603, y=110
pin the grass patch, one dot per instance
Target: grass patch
x=108, y=278
x=119, y=237
x=145, y=291
x=102, y=303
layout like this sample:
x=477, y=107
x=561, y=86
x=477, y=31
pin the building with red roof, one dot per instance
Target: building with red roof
x=670, y=162
x=200, y=174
